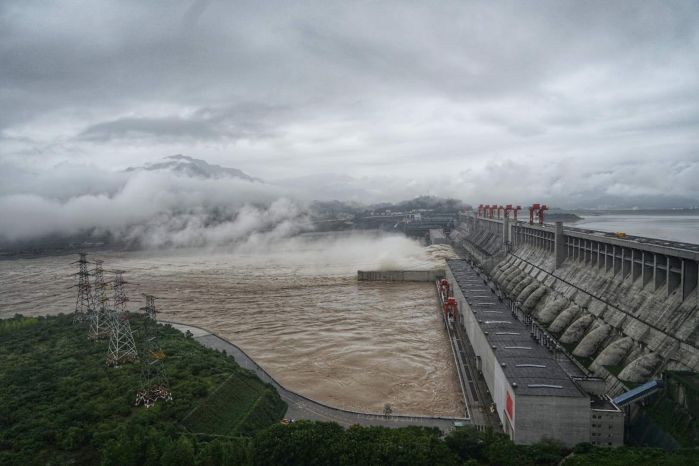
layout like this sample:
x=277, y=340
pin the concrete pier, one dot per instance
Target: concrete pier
x=400, y=275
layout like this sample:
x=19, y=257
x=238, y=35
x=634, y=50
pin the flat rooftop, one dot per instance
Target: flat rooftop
x=525, y=362
x=602, y=403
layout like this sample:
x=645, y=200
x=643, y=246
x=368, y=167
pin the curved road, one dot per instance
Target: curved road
x=301, y=407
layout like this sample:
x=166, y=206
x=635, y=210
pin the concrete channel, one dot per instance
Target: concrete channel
x=302, y=407
x=474, y=391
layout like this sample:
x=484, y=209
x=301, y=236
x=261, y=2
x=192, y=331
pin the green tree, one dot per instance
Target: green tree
x=466, y=442
x=179, y=453
x=301, y=443
x=499, y=450
x=233, y=452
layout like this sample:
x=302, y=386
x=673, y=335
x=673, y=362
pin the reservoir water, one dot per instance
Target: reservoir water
x=683, y=228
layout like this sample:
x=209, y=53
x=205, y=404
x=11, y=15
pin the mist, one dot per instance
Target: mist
x=148, y=209
x=343, y=252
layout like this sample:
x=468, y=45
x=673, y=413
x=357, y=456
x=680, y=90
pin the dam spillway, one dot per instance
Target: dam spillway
x=626, y=307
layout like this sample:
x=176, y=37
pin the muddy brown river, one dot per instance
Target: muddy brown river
x=295, y=306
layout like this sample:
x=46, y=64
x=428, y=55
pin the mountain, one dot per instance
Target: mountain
x=189, y=166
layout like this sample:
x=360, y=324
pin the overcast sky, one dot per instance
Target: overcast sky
x=550, y=101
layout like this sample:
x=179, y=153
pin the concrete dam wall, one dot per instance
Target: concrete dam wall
x=400, y=275
x=627, y=309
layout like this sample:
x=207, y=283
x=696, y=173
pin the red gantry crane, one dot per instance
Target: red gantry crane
x=444, y=288
x=451, y=309
x=509, y=208
x=537, y=210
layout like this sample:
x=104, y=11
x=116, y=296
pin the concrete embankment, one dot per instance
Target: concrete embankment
x=301, y=407
x=400, y=275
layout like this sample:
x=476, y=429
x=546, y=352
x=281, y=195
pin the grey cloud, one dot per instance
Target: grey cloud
x=61, y=182
x=141, y=127
x=374, y=90
x=245, y=120
x=193, y=13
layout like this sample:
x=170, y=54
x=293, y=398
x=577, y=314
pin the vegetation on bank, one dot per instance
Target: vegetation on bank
x=676, y=409
x=240, y=405
x=317, y=443
x=60, y=404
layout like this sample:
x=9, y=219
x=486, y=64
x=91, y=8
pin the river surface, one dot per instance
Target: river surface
x=683, y=228
x=295, y=306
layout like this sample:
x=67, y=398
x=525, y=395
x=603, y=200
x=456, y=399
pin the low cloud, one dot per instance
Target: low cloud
x=154, y=209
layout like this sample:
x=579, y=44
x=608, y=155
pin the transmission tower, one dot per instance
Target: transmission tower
x=122, y=348
x=99, y=317
x=154, y=384
x=84, y=303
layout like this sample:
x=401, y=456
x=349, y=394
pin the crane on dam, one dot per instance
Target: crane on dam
x=537, y=210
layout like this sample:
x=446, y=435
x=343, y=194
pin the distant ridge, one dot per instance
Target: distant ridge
x=189, y=166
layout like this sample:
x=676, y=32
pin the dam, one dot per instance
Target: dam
x=634, y=297
x=622, y=308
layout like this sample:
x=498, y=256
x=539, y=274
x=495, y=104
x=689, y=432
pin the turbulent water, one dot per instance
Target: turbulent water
x=295, y=306
x=683, y=228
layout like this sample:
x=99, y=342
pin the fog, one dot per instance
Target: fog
x=151, y=209
x=345, y=252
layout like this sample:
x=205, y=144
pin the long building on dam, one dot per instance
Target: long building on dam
x=537, y=393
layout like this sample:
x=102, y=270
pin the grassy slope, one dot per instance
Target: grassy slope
x=60, y=403
x=237, y=406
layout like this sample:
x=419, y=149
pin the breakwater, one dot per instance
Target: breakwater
x=400, y=275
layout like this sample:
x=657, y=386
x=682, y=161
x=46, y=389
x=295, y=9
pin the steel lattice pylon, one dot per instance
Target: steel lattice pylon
x=154, y=384
x=122, y=347
x=99, y=317
x=84, y=302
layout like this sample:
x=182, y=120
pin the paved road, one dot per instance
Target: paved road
x=301, y=407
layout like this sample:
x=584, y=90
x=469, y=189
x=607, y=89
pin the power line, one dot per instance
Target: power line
x=154, y=383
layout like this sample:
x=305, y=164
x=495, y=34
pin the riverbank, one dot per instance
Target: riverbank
x=302, y=407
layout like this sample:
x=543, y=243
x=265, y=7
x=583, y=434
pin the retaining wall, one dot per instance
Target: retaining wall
x=400, y=275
